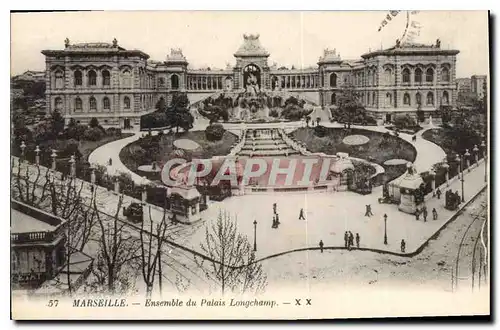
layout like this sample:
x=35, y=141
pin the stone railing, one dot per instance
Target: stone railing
x=237, y=148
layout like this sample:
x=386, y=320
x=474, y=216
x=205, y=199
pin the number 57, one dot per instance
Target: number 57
x=53, y=303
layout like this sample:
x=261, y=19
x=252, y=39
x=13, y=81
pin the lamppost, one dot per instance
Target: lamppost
x=255, y=235
x=483, y=146
x=385, y=229
x=460, y=160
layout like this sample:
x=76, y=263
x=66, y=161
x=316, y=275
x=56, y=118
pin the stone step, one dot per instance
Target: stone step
x=281, y=146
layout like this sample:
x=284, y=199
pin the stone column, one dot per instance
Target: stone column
x=53, y=155
x=72, y=162
x=37, y=156
x=117, y=186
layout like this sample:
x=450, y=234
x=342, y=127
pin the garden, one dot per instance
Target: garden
x=215, y=141
x=369, y=145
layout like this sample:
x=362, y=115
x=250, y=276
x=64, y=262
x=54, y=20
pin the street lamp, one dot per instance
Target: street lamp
x=483, y=146
x=460, y=160
x=255, y=235
x=385, y=229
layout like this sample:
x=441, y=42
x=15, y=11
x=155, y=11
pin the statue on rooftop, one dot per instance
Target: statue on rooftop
x=66, y=42
x=438, y=43
x=115, y=42
x=398, y=43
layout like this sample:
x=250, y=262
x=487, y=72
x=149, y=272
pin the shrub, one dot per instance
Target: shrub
x=404, y=121
x=111, y=131
x=273, y=113
x=420, y=116
x=320, y=131
x=94, y=122
x=93, y=134
x=214, y=132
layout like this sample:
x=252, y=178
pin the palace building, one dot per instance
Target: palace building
x=118, y=86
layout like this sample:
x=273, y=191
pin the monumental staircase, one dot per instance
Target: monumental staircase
x=266, y=143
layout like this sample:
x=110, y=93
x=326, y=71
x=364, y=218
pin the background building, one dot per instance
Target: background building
x=478, y=85
x=117, y=86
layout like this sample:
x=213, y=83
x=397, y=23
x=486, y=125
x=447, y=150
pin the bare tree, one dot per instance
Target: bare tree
x=231, y=258
x=117, y=249
x=150, y=254
x=27, y=185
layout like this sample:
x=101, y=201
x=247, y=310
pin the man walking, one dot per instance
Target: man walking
x=274, y=208
x=321, y=245
x=403, y=246
x=425, y=213
x=351, y=240
x=357, y=240
x=346, y=239
x=434, y=214
x=438, y=193
x=278, y=219
x=368, y=212
x=417, y=214
x=301, y=215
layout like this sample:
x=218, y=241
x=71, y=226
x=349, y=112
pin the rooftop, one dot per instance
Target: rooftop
x=93, y=48
x=407, y=48
x=23, y=223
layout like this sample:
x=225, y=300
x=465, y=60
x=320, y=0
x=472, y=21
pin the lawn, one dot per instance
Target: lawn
x=86, y=147
x=378, y=149
x=160, y=148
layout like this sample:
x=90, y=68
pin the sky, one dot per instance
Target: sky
x=209, y=39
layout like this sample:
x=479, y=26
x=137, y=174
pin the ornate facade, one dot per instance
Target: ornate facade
x=117, y=86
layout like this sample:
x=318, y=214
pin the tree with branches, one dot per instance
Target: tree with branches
x=231, y=258
x=151, y=253
x=117, y=250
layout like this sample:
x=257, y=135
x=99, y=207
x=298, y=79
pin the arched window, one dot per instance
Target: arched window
x=106, y=78
x=418, y=99
x=368, y=98
x=78, y=104
x=418, y=76
x=161, y=82
x=374, y=77
x=58, y=103
x=126, y=102
x=406, y=75
x=59, y=79
x=374, y=98
x=369, y=77
x=92, y=103
x=429, y=75
x=388, y=76
x=334, y=98
x=105, y=103
x=446, y=98
x=92, y=78
x=333, y=80
x=126, y=80
x=430, y=98
x=406, y=99
x=388, y=99
x=174, y=80
x=78, y=78
x=445, y=74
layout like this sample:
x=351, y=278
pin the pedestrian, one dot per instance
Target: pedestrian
x=92, y=188
x=278, y=219
x=274, y=222
x=434, y=214
x=438, y=193
x=357, y=240
x=417, y=214
x=368, y=212
x=301, y=215
x=346, y=239
x=274, y=208
x=403, y=245
x=321, y=245
x=424, y=212
x=351, y=240
x=110, y=161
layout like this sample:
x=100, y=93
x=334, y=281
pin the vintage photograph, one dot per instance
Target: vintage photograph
x=249, y=165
